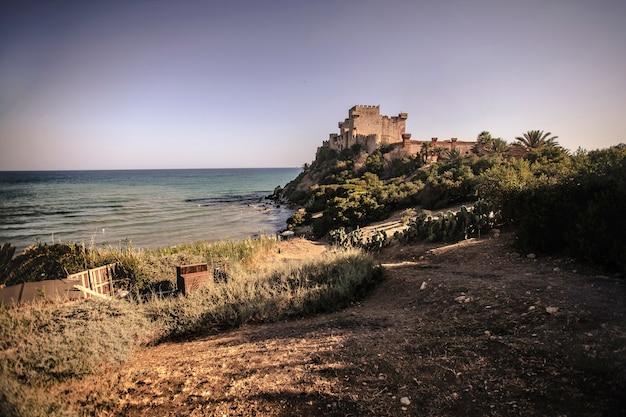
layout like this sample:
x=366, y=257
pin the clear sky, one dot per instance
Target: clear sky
x=208, y=84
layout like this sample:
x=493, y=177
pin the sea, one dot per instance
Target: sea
x=140, y=208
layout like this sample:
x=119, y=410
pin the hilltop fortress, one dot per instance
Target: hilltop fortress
x=367, y=127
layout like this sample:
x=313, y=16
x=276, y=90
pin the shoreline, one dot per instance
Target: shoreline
x=150, y=208
x=238, y=219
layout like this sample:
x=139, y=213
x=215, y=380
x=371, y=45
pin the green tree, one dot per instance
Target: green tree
x=488, y=145
x=483, y=143
x=500, y=147
x=375, y=163
x=452, y=155
x=426, y=151
x=535, y=139
x=441, y=153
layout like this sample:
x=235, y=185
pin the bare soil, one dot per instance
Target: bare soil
x=470, y=329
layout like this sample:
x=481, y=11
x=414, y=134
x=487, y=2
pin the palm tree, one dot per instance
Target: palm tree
x=453, y=154
x=426, y=151
x=441, y=153
x=483, y=140
x=499, y=146
x=488, y=145
x=535, y=139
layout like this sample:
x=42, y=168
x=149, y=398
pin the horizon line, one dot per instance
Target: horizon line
x=137, y=169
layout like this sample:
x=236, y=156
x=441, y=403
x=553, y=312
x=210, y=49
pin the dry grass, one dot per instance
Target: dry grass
x=143, y=269
x=297, y=288
x=42, y=344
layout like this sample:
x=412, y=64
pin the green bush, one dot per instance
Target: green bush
x=299, y=218
x=454, y=182
x=375, y=163
x=451, y=226
x=42, y=261
x=580, y=215
x=557, y=202
x=565, y=204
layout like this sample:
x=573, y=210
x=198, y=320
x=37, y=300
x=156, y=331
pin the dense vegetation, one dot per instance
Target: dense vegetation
x=556, y=201
x=569, y=205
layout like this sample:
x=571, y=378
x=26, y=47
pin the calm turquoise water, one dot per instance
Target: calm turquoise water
x=151, y=208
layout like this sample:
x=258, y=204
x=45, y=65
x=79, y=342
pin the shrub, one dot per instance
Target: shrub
x=47, y=343
x=579, y=216
x=18, y=400
x=299, y=218
x=42, y=261
x=451, y=226
x=449, y=183
x=349, y=239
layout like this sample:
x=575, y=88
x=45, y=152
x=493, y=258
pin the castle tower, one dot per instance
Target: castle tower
x=366, y=126
x=406, y=141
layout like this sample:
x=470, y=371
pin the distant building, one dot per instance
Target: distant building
x=367, y=127
x=414, y=147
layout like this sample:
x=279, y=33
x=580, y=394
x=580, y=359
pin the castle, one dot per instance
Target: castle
x=367, y=127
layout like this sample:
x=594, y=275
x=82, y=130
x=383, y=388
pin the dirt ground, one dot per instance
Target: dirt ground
x=470, y=329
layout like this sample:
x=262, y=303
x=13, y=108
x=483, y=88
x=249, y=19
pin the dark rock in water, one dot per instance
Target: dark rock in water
x=277, y=194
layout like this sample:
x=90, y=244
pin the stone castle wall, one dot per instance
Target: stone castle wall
x=414, y=147
x=367, y=127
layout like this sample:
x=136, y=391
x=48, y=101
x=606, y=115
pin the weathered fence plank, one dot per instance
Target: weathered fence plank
x=99, y=280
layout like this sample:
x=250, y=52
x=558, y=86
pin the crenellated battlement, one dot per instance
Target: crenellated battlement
x=366, y=107
x=367, y=127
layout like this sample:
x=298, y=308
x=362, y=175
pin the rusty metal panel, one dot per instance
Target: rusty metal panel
x=190, y=278
x=58, y=290
x=193, y=282
x=192, y=269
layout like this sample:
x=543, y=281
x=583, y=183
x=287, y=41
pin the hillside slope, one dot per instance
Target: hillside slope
x=466, y=329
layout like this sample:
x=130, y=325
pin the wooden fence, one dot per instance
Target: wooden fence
x=95, y=282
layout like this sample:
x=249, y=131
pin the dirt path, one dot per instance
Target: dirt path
x=468, y=329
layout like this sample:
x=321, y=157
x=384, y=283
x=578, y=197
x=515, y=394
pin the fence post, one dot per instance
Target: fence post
x=110, y=273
